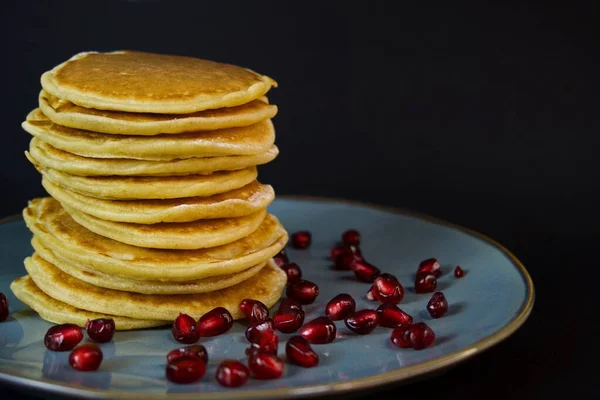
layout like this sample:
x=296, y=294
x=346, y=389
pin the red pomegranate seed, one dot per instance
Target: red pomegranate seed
x=288, y=320
x=252, y=330
x=281, y=258
x=231, y=373
x=101, y=330
x=254, y=310
x=320, y=330
x=3, y=307
x=214, y=322
x=370, y=295
x=340, y=307
x=458, y=272
x=391, y=316
x=266, y=341
x=86, y=357
x=351, y=237
x=265, y=366
x=338, y=251
x=430, y=265
x=437, y=305
x=387, y=289
x=364, y=271
x=305, y=292
x=347, y=259
x=401, y=336
x=196, y=350
x=362, y=322
x=289, y=304
x=301, y=240
x=184, y=329
x=63, y=337
x=418, y=336
x=293, y=272
x=186, y=369
x=298, y=351
x=425, y=282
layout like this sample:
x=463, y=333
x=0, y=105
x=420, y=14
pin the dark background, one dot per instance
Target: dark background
x=484, y=114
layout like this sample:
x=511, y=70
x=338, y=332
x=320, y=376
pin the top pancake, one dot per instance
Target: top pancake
x=154, y=83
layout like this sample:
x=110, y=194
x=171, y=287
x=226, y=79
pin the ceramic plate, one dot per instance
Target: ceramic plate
x=488, y=304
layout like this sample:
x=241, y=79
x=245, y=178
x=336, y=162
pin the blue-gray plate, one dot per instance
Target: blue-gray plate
x=488, y=304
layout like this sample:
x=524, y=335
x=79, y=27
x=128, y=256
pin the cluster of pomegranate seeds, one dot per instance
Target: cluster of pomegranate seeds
x=231, y=373
x=305, y=292
x=458, y=272
x=301, y=240
x=184, y=329
x=63, y=337
x=263, y=365
x=196, y=350
x=340, y=307
x=351, y=237
x=3, y=307
x=100, y=330
x=362, y=322
x=254, y=310
x=320, y=330
x=430, y=265
x=390, y=316
x=298, y=351
x=387, y=289
x=86, y=357
x=293, y=272
x=215, y=322
x=185, y=369
x=418, y=336
x=252, y=330
x=437, y=305
x=281, y=258
x=425, y=282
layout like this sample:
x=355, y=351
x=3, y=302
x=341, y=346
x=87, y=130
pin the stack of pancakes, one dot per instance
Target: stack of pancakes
x=155, y=210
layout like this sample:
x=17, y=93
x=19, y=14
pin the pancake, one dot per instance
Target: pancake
x=58, y=312
x=65, y=113
x=235, y=203
x=247, y=140
x=199, y=234
x=70, y=241
x=49, y=156
x=156, y=83
x=97, y=278
x=151, y=187
x=266, y=286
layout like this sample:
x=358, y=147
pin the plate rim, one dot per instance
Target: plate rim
x=336, y=388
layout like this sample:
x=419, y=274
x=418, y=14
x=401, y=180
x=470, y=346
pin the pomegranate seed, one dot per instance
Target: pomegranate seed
x=351, y=237
x=364, y=271
x=340, y=307
x=387, y=289
x=231, y=373
x=86, y=357
x=370, y=295
x=289, y=320
x=185, y=369
x=252, y=330
x=265, y=365
x=281, y=258
x=421, y=335
x=101, y=330
x=347, y=259
x=214, y=322
x=289, y=304
x=458, y=272
x=437, y=305
x=196, y=350
x=266, y=341
x=63, y=337
x=320, y=330
x=401, y=336
x=391, y=316
x=337, y=252
x=425, y=282
x=3, y=307
x=430, y=265
x=293, y=272
x=184, y=329
x=301, y=240
x=254, y=310
x=362, y=322
x=305, y=292
x=299, y=352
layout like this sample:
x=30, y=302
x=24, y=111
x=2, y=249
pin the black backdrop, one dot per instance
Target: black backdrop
x=482, y=114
